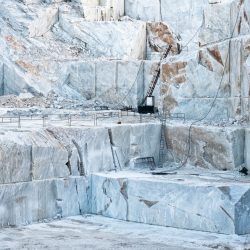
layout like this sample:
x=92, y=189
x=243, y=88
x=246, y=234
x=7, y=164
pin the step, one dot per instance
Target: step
x=93, y=232
x=209, y=202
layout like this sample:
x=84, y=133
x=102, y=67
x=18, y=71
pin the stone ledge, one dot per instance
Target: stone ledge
x=207, y=203
x=211, y=146
x=29, y=202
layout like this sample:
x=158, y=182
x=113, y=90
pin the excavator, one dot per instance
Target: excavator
x=147, y=106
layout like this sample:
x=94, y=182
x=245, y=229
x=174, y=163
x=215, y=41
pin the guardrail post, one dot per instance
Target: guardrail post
x=95, y=120
x=120, y=116
x=70, y=120
x=44, y=121
x=19, y=121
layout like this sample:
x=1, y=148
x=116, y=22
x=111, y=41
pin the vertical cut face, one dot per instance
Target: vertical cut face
x=1, y=79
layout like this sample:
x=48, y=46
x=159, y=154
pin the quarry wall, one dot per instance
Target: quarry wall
x=42, y=169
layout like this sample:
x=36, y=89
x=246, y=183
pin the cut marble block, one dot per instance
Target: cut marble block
x=31, y=155
x=247, y=148
x=211, y=146
x=203, y=203
x=27, y=202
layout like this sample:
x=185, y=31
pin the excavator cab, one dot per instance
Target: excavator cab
x=149, y=107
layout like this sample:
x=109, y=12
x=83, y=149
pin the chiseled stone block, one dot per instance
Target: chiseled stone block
x=89, y=146
x=31, y=155
x=179, y=201
x=247, y=148
x=126, y=41
x=211, y=146
x=135, y=141
x=27, y=202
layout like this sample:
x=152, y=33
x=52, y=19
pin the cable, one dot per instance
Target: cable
x=215, y=98
x=125, y=97
x=191, y=39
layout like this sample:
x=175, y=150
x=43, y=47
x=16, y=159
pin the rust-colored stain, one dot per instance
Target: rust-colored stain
x=174, y=72
x=246, y=50
x=154, y=67
x=204, y=61
x=162, y=32
x=215, y=53
x=164, y=88
x=28, y=67
x=14, y=43
x=180, y=79
x=169, y=103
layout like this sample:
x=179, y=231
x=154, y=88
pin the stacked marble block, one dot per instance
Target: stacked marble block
x=214, y=37
x=211, y=147
x=112, y=81
x=40, y=169
x=41, y=176
x=204, y=200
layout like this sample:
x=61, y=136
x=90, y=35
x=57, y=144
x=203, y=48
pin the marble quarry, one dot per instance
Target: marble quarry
x=62, y=60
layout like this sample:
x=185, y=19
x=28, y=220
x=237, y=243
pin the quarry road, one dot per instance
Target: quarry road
x=100, y=233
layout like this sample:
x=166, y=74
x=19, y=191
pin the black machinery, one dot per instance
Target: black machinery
x=148, y=103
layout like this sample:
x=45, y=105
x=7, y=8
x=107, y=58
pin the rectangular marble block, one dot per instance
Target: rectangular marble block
x=247, y=148
x=211, y=146
x=28, y=202
x=178, y=201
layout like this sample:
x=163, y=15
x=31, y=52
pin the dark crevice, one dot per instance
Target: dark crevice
x=81, y=166
x=31, y=163
x=104, y=190
x=148, y=203
x=124, y=192
x=79, y=205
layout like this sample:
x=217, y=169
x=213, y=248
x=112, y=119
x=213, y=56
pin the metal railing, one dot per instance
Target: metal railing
x=87, y=119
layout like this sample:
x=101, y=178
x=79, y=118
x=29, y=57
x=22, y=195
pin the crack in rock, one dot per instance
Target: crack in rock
x=104, y=190
x=79, y=205
x=81, y=166
x=225, y=211
x=124, y=191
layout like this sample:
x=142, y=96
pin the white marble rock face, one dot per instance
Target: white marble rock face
x=29, y=202
x=211, y=60
x=211, y=147
x=114, y=82
x=44, y=22
x=120, y=40
x=91, y=146
x=184, y=18
x=57, y=152
x=137, y=141
x=191, y=81
x=1, y=78
x=247, y=148
x=30, y=155
x=37, y=47
x=196, y=205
